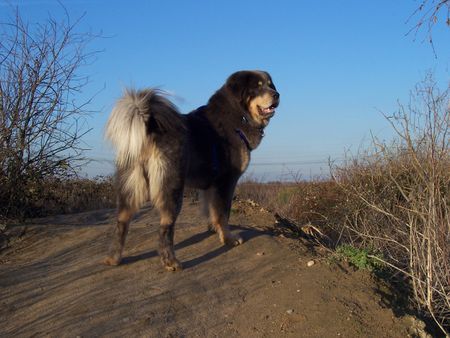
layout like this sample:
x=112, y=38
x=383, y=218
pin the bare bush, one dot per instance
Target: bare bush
x=319, y=202
x=61, y=195
x=427, y=14
x=41, y=121
x=402, y=194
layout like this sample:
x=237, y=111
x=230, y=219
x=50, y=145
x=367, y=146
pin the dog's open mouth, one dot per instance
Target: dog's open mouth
x=268, y=111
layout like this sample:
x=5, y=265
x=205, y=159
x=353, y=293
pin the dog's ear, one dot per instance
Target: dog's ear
x=238, y=84
x=269, y=80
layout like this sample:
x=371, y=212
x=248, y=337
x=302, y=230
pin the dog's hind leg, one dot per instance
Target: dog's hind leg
x=169, y=207
x=120, y=233
x=132, y=193
x=219, y=201
x=166, y=193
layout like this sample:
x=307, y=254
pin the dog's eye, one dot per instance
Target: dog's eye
x=269, y=82
x=260, y=83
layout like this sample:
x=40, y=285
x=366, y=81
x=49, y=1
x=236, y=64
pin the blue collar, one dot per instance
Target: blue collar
x=244, y=139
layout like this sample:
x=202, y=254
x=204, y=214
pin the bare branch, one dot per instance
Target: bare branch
x=401, y=193
x=42, y=121
x=427, y=15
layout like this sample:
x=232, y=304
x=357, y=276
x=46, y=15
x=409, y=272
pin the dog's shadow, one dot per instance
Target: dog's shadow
x=247, y=234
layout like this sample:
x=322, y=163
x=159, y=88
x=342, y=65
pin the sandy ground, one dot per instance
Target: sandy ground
x=52, y=284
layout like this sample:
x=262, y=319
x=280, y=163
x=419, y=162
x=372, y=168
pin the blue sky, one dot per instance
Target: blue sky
x=337, y=64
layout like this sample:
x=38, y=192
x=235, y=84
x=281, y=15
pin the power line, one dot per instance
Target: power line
x=288, y=163
x=271, y=163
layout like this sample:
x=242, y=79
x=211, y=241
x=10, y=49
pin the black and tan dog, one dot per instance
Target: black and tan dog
x=160, y=151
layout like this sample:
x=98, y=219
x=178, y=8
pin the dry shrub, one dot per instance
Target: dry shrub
x=320, y=202
x=56, y=196
x=42, y=115
x=393, y=199
x=400, y=196
x=265, y=194
x=76, y=195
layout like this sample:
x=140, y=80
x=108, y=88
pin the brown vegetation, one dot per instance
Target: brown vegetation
x=393, y=199
x=41, y=119
x=61, y=196
x=317, y=202
x=403, y=189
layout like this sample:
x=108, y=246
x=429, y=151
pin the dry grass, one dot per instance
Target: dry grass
x=56, y=196
x=393, y=198
x=403, y=198
x=318, y=202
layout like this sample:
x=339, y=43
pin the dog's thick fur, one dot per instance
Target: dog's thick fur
x=160, y=151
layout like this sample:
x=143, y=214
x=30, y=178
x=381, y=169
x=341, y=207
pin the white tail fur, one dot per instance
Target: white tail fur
x=126, y=127
x=142, y=165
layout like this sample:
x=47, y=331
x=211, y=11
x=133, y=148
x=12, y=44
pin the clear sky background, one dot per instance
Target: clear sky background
x=337, y=64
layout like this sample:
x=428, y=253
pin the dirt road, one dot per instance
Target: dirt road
x=51, y=284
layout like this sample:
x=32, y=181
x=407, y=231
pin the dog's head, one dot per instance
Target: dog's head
x=256, y=93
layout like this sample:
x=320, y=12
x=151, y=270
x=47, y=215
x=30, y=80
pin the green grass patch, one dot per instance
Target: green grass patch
x=361, y=258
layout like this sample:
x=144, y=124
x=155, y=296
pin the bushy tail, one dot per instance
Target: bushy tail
x=129, y=124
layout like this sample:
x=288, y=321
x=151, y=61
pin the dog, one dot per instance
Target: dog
x=160, y=151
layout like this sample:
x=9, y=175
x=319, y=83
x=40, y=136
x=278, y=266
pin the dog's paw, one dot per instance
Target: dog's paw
x=211, y=227
x=113, y=261
x=232, y=240
x=172, y=265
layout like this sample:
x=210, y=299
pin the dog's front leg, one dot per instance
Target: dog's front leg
x=219, y=202
x=220, y=224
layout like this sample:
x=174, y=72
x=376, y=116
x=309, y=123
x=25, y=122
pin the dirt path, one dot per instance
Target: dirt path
x=51, y=284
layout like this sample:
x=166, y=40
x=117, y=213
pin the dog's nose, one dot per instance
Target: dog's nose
x=276, y=95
